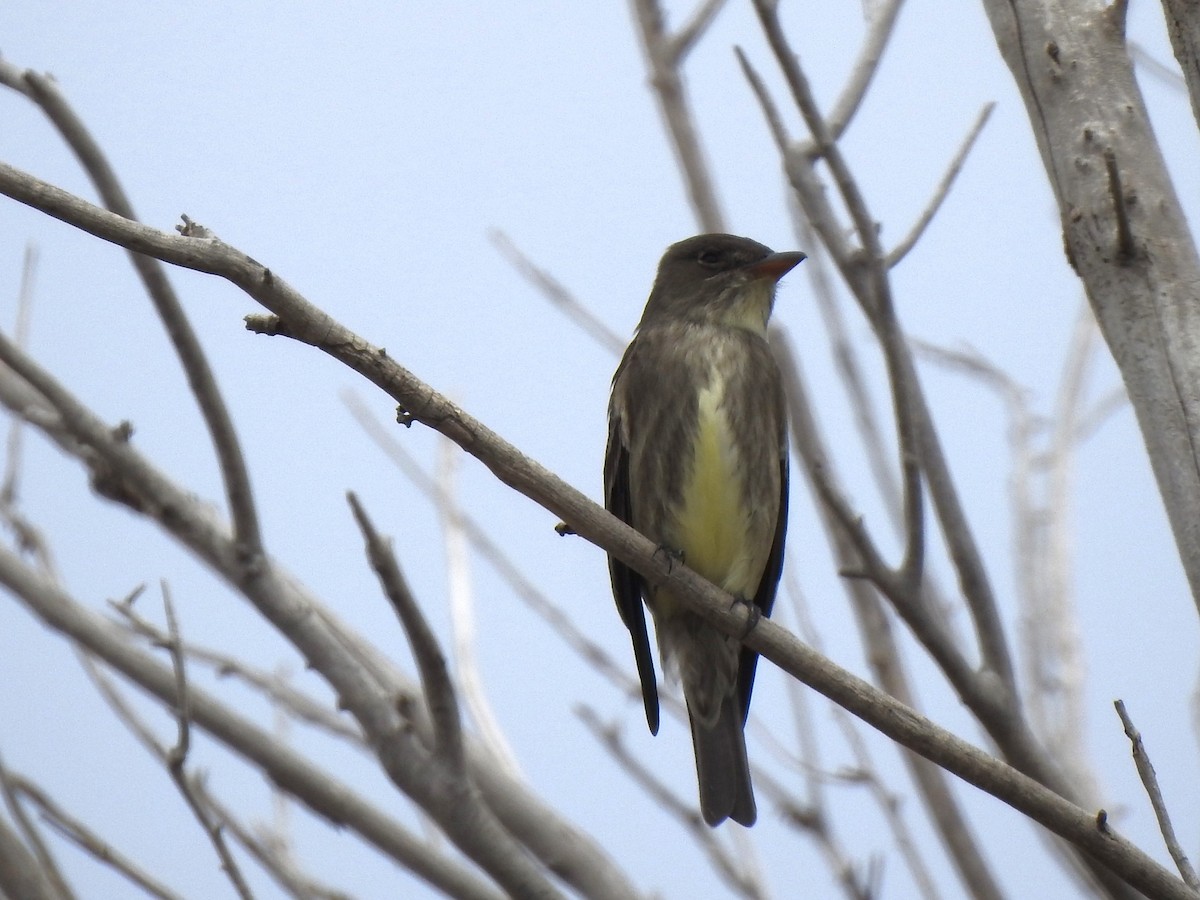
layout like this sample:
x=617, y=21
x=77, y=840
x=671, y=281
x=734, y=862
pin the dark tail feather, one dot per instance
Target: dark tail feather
x=722, y=769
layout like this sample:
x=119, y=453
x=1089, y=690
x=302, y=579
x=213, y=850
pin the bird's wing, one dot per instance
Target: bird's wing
x=764, y=599
x=628, y=586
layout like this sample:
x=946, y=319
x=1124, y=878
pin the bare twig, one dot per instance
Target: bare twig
x=691, y=32
x=903, y=381
x=879, y=32
x=869, y=565
x=725, y=864
x=766, y=103
x=43, y=91
x=273, y=685
x=815, y=779
x=175, y=758
x=1146, y=772
x=554, y=291
x=449, y=795
x=823, y=138
x=898, y=252
x=1091, y=419
x=808, y=747
x=1054, y=659
x=462, y=613
x=1048, y=629
x=12, y=461
x=609, y=736
x=851, y=374
x=889, y=805
x=1057, y=641
x=28, y=536
x=664, y=55
x=84, y=837
x=996, y=709
x=880, y=28
x=812, y=821
x=1164, y=73
x=13, y=787
x=20, y=874
x=271, y=851
x=431, y=662
x=969, y=361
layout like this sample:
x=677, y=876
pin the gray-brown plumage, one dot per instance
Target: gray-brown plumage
x=697, y=461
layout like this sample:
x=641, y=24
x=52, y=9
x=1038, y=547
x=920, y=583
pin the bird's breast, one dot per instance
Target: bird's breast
x=712, y=519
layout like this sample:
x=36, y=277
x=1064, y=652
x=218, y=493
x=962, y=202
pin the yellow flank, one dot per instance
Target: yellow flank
x=712, y=524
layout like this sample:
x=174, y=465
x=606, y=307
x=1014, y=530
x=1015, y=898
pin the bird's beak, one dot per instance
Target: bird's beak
x=776, y=265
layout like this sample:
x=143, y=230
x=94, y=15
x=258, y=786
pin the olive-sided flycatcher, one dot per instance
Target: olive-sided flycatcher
x=697, y=462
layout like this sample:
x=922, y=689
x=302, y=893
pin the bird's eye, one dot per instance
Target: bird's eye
x=709, y=258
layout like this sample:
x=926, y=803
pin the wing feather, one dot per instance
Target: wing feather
x=628, y=586
x=764, y=598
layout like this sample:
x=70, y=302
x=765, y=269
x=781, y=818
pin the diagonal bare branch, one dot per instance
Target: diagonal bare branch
x=462, y=613
x=898, y=252
x=664, y=57
x=438, y=687
x=87, y=839
x=44, y=91
x=693, y=30
x=880, y=28
x=1149, y=778
x=554, y=291
x=32, y=867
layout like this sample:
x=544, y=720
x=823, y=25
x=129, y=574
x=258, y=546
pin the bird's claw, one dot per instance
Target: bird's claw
x=753, y=614
x=673, y=556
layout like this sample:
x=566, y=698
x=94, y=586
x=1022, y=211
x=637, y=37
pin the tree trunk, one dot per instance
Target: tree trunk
x=1123, y=228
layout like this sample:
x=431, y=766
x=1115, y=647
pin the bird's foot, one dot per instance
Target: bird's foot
x=753, y=614
x=673, y=556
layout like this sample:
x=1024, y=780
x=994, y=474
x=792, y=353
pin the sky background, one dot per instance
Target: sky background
x=364, y=152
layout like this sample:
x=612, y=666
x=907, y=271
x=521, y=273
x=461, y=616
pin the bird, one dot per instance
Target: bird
x=697, y=462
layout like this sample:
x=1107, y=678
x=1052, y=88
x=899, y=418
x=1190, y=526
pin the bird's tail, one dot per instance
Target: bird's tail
x=722, y=770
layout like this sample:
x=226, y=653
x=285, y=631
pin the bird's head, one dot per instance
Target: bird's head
x=718, y=279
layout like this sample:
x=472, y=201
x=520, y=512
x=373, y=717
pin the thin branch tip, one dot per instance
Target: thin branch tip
x=1145, y=770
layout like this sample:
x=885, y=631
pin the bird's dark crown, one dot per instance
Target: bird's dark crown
x=705, y=255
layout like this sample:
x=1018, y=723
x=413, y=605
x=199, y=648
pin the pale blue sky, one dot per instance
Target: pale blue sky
x=363, y=152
